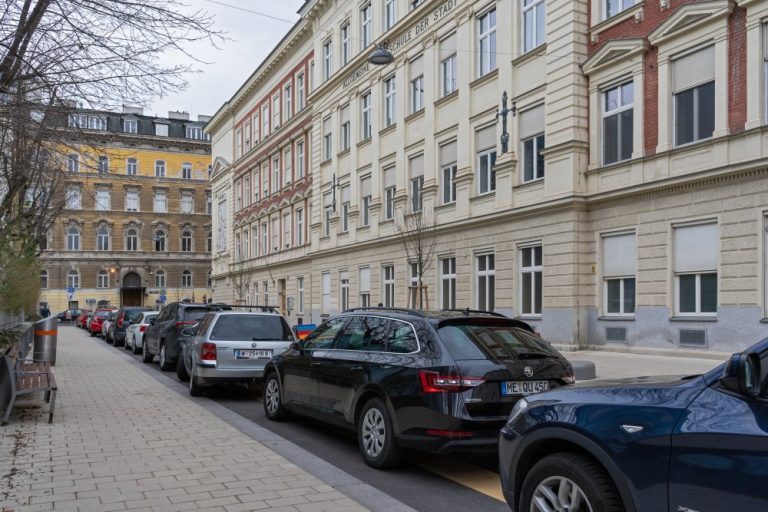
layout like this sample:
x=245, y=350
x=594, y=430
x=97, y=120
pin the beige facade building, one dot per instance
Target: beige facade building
x=629, y=208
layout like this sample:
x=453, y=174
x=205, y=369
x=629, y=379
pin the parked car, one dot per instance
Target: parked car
x=437, y=381
x=134, y=333
x=82, y=320
x=186, y=339
x=124, y=317
x=97, y=320
x=106, y=323
x=161, y=336
x=646, y=444
x=233, y=346
x=73, y=314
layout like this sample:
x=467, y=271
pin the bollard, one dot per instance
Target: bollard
x=44, y=345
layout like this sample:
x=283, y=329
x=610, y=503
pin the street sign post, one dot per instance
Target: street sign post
x=161, y=299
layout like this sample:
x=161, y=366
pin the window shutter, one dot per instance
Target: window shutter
x=448, y=47
x=697, y=248
x=531, y=122
x=345, y=114
x=389, y=177
x=365, y=187
x=365, y=280
x=416, y=166
x=326, y=125
x=485, y=138
x=327, y=200
x=694, y=69
x=619, y=255
x=416, y=67
x=448, y=153
x=345, y=194
x=344, y=274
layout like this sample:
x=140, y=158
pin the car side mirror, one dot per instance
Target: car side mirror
x=297, y=345
x=742, y=375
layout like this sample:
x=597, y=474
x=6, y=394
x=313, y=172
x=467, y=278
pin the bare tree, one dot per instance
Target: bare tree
x=240, y=283
x=418, y=234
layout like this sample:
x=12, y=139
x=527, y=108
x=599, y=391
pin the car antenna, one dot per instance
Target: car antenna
x=466, y=313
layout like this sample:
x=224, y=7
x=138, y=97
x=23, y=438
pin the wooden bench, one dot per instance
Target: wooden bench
x=28, y=376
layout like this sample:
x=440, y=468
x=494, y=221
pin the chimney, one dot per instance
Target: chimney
x=128, y=109
x=178, y=116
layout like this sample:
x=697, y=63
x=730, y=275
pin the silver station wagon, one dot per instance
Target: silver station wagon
x=232, y=346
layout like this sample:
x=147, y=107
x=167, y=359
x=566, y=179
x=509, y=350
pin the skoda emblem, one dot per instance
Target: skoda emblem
x=528, y=371
x=254, y=345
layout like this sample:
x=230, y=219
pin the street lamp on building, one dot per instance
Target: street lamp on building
x=380, y=56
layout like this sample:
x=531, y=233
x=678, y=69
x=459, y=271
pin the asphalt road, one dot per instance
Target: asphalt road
x=423, y=482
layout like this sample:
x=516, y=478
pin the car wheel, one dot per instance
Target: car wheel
x=136, y=348
x=125, y=343
x=376, y=437
x=146, y=357
x=165, y=364
x=181, y=370
x=569, y=481
x=194, y=388
x=273, y=404
x=93, y=334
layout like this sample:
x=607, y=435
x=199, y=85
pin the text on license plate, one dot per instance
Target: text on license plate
x=524, y=387
x=252, y=353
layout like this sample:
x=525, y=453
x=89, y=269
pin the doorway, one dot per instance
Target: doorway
x=132, y=293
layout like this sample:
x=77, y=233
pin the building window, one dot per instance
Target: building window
x=300, y=99
x=365, y=101
x=530, y=279
x=131, y=240
x=344, y=289
x=448, y=66
x=265, y=178
x=186, y=279
x=265, y=121
x=73, y=279
x=327, y=213
x=487, y=42
x=161, y=130
x=365, y=193
x=247, y=136
x=416, y=171
x=186, y=241
x=619, y=267
x=276, y=111
x=486, y=282
x=186, y=171
x=299, y=226
x=209, y=241
x=534, y=24
x=102, y=279
x=346, y=128
x=532, y=140
x=208, y=279
x=73, y=239
x=160, y=239
x=486, y=159
x=448, y=283
x=130, y=126
x=345, y=54
x=160, y=202
x=696, y=270
x=388, y=281
x=73, y=163
x=103, y=201
x=287, y=229
x=327, y=139
x=160, y=168
x=247, y=189
x=287, y=103
x=325, y=281
x=365, y=287
x=209, y=203
x=255, y=127
x=299, y=159
x=614, y=7
x=187, y=206
x=131, y=167
x=275, y=229
x=617, y=123
x=44, y=279
x=194, y=132
x=694, y=96
x=73, y=199
x=300, y=295
x=160, y=279
x=345, y=204
x=276, y=181
x=389, y=101
x=366, y=26
x=327, y=59
x=389, y=193
x=390, y=14
x=103, y=165
x=132, y=200
x=97, y=123
x=102, y=239
x=264, y=239
x=413, y=286
x=238, y=248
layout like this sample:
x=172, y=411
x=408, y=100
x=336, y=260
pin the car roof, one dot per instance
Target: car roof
x=431, y=314
x=251, y=313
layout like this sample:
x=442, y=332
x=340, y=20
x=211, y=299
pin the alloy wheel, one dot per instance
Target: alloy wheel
x=559, y=494
x=272, y=395
x=374, y=432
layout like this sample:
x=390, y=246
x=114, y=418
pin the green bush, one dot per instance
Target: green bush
x=19, y=278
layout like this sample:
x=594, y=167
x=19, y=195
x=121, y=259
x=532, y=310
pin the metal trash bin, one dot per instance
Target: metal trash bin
x=44, y=344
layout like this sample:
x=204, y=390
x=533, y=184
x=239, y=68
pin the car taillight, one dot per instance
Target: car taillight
x=433, y=382
x=569, y=377
x=182, y=324
x=142, y=328
x=208, y=352
x=120, y=321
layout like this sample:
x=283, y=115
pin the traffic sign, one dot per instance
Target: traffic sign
x=161, y=298
x=71, y=289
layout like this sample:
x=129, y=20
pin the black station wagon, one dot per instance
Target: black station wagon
x=436, y=381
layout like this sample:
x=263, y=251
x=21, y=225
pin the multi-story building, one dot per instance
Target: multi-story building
x=629, y=207
x=136, y=227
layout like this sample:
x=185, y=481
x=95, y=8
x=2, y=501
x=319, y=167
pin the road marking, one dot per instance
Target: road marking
x=461, y=472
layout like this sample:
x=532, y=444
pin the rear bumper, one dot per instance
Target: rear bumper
x=486, y=442
x=213, y=375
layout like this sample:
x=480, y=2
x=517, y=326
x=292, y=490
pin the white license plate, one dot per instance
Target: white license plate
x=524, y=387
x=251, y=353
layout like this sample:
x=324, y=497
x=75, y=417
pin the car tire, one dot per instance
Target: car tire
x=125, y=344
x=376, y=437
x=136, y=348
x=93, y=334
x=146, y=357
x=165, y=364
x=194, y=388
x=272, y=399
x=584, y=478
x=107, y=339
x=181, y=370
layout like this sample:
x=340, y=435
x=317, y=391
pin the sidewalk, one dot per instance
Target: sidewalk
x=122, y=439
x=612, y=365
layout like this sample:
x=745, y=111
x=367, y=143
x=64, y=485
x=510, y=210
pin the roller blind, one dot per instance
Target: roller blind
x=447, y=47
x=344, y=114
x=326, y=125
x=619, y=255
x=531, y=121
x=697, y=248
x=365, y=280
x=416, y=166
x=344, y=274
x=365, y=186
x=485, y=138
x=389, y=177
x=327, y=199
x=345, y=194
x=448, y=153
x=417, y=67
x=694, y=69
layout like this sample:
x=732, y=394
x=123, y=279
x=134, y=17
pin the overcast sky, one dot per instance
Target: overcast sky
x=251, y=36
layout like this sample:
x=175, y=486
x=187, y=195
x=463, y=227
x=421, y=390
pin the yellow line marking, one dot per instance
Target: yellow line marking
x=461, y=472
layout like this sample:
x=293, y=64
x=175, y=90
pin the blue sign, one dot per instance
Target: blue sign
x=161, y=298
x=71, y=290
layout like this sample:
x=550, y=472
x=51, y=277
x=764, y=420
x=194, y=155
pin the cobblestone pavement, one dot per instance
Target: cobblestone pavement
x=122, y=440
x=612, y=365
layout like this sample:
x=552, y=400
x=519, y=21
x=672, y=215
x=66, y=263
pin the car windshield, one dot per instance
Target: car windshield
x=492, y=341
x=194, y=314
x=252, y=328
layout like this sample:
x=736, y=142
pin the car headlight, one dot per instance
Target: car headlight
x=520, y=407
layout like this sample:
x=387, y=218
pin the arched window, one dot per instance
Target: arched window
x=160, y=279
x=102, y=239
x=132, y=240
x=186, y=241
x=73, y=279
x=102, y=279
x=43, y=279
x=160, y=238
x=73, y=239
x=186, y=279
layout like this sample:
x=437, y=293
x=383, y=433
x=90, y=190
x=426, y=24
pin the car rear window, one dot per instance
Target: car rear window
x=194, y=314
x=147, y=316
x=492, y=341
x=251, y=328
x=133, y=314
x=102, y=314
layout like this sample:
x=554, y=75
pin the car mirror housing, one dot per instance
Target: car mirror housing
x=742, y=375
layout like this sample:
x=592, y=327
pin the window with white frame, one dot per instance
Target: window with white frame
x=73, y=198
x=697, y=257
x=265, y=287
x=345, y=204
x=694, y=96
x=264, y=239
x=132, y=200
x=187, y=203
x=276, y=182
x=365, y=111
x=186, y=171
x=159, y=278
x=327, y=59
x=327, y=213
x=102, y=239
x=247, y=136
x=130, y=126
x=366, y=26
x=416, y=172
x=532, y=140
x=287, y=165
x=416, y=74
x=531, y=270
x=287, y=229
x=619, y=269
x=132, y=240
x=390, y=14
x=159, y=168
x=299, y=159
x=413, y=285
x=103, y=200
x=265, y=178
x=287, y=102
x=300, y=295
x=448, y=69
x=344, y=289
x=365, y=287
x=365, y=202
x=73, y=238
x=103, y=165
x=255, y=240
x=276, y=111
x=618, y=122
x=325, y=282
x=239, y=142
x=221, y=235
x=265, y=121
x=255, y=126
x=131, y=167
x=160, y=202
x=534, y=24
x=246, y=189
x=73, y=163
x=299, y=226
x=448, y=283
x=300, y=96
x=389, y=177
x=238, y=195
x=486, y=159
x=160, y=240
x=327, y=139
x=102, y=279
x=275, y=229
x=345, y=128
x=447, y=155
x=345, y=44
x=389, y=100
x=161, y=130
x=238, y=247
x=196, y=133
x=486, y=282
x=186, y=279
x=486, y=42
x=388, y=285
x=73, y=279
x=613, y=7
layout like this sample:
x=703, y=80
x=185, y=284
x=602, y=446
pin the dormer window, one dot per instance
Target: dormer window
x=130, y=126
x=161, y=130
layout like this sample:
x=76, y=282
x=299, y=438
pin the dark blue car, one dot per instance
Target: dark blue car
x=649, y=444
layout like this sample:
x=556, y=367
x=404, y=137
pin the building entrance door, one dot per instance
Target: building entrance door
x=132, y=293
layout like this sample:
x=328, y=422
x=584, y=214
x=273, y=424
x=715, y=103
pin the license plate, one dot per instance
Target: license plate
x=251, y=353
x=524, y=387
